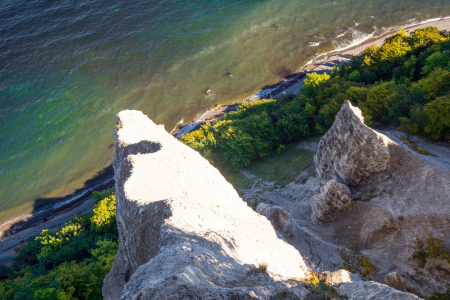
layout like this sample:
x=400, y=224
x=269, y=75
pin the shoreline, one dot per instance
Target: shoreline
x=321, y=63
x=15, y=232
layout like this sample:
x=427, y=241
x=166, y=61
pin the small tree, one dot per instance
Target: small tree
x=408, y=126
x=313, y=83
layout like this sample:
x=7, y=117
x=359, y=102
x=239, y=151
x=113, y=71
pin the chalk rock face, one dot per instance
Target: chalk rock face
x=341, y=276
x=333, y=196
x=184, y=232
x=372, y=290
x=398, y=196
x=350, y=151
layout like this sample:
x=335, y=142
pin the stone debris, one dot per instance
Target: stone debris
x=372, y=290
x=332, y=197
x=393, y=279
x=278, y=216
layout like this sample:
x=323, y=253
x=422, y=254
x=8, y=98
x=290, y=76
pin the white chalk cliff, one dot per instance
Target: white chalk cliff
x=184, y=232
x=397, y=197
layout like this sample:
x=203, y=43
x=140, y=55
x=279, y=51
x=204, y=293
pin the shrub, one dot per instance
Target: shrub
x=100, y=195
x=354, y=261
x=355, y=76
x=104, y=216
x=432, y=247
x=313, y=83
x=6, y=272
x=318, y=285
x=68, y=264
x=437, y=60
x=438, y=116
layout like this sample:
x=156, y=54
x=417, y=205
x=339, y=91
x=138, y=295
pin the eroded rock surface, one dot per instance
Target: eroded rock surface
x=373, y=290
x=393, y=279
x=350, y=151
x=341, y=276
x=397, y=195
x=333, y=196
x=278, y=216
x=184, y=232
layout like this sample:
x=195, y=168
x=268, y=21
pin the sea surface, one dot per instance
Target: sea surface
x=67, y=68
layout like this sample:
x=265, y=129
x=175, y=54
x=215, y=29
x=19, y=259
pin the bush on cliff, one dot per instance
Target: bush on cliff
x=70, y=263
x=405, y=82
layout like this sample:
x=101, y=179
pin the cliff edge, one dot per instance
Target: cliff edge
x=184, y=231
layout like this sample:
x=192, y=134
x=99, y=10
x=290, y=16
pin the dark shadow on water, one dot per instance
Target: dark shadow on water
x=45, y=208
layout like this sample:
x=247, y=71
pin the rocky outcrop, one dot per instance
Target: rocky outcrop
x=393, y=279
x=397, y=195
x=341, y=276
x=332, y=197
x=350, y=151
x=373, y=290
x=278, y=216
x=184, y=232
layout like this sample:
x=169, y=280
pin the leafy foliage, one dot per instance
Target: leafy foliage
x=68, y=264
x=431, y=247
x=355, y=261
x=319, y=287
x=252, y=132
x=405, y=82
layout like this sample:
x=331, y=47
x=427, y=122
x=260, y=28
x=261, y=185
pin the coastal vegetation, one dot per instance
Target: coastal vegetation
x=403, y=83
x=431, y=247
x=70, y=263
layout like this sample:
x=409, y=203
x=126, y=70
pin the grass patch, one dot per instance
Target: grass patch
x=236, y=178
x=278, y=168
x=414, y=146
x=250, y=283
x=283, y=168
x=431, y=247
x=261, y=268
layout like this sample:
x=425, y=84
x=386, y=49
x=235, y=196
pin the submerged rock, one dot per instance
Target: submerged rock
x=184, y=232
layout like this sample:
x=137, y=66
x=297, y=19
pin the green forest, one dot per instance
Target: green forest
x=404, y=83
x=68, y=264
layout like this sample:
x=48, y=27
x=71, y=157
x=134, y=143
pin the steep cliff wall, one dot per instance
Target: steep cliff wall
x=396, y=197
x=184, y=232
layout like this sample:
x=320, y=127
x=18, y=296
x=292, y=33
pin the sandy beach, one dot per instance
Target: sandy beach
x=327, y=61
x=16, y=232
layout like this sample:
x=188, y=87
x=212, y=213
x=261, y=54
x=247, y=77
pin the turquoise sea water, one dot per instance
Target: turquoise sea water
x=67, y=67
